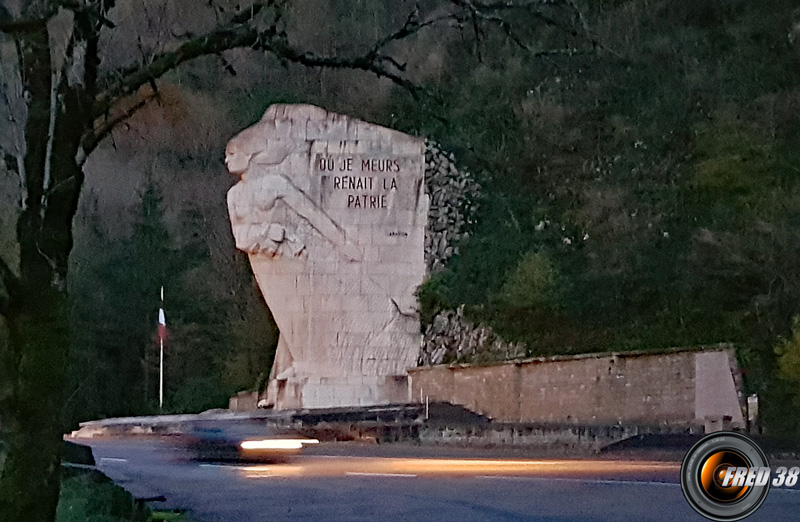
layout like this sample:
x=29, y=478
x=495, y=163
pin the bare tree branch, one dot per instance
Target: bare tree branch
x=39, y=20
x=14, y=159
x=236, y=35
x=104, y=127
x=411, y=26
x=375, y=64
x=490, y=13
x=51, y=135
x=537, y=8
x=222, y=39
x=249, y=13
x=20, y=26
x=240, y=32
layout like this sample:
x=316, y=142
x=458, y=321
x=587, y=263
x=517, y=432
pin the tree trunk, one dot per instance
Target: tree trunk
x=38, y=341
x=37, y=318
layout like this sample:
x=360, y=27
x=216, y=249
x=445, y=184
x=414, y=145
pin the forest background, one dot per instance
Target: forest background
x=639, y=172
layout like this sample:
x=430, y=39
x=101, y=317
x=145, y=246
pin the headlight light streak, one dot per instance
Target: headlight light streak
x=276, y=444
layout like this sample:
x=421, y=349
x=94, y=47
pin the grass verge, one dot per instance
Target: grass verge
x=90, y=496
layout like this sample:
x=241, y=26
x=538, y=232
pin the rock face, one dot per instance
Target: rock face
x=332, y=212
x=454, y=203
x=450, y=338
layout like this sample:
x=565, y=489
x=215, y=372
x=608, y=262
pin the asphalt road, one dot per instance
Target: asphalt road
x=354, y=484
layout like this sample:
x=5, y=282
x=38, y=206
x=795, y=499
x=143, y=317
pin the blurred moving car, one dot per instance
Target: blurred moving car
x=238, y=441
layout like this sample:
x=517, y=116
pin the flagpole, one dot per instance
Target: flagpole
x=161, y=358
x=161, y=377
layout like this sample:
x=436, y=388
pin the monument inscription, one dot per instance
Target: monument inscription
x=332, y=212
x=367, y=182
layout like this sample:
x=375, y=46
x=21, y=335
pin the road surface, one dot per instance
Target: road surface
x=335, y=484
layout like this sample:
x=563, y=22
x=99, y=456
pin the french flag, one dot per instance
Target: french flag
x=162, y=324
x=162, y=319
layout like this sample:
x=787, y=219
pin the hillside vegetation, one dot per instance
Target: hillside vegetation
x=642, y=196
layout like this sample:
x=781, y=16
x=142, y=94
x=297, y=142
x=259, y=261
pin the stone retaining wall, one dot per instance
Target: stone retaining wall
x=682, y=387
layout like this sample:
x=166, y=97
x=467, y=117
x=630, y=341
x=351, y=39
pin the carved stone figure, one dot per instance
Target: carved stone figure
x=332, y=212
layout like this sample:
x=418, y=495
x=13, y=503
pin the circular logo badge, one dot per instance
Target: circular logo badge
x=720, y=476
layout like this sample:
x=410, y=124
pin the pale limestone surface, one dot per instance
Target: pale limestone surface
x=716, y=393
x=332, y=212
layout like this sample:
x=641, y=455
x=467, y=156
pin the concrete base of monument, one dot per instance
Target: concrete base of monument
x=434, y=424
x=331, y=392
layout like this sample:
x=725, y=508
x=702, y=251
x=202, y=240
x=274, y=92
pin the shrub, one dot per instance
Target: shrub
x=534, y=283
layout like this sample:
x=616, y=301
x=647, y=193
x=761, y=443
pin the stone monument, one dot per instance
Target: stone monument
x=332, y=212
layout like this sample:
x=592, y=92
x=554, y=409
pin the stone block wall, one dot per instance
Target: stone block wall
x=677, y=387
x=489, y=388
x=609, y=389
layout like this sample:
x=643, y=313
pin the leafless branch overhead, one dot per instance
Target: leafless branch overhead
x=259, y=27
